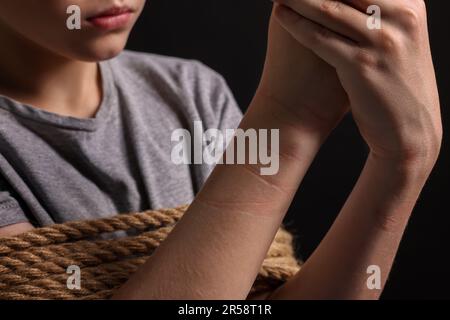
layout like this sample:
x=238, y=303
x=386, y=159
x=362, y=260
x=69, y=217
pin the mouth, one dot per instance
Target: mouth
x=112, y=19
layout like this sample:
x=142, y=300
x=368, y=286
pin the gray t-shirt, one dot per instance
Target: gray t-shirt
x=55, y=168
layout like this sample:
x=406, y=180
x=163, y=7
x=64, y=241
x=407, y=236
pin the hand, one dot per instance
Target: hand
x=387, y=73
x=305, y=89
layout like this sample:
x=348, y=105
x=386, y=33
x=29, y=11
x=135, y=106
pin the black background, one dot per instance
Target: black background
x=230, y=37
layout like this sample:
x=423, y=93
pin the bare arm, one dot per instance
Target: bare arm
x=389, y=76
x=366, y=233
x=15, y=229
x=216, y=250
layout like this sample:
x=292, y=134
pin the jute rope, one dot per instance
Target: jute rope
x=34, y=265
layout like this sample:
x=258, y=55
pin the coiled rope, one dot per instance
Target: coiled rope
x=34, y=265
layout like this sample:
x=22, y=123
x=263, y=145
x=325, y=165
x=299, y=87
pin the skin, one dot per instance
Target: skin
x=46, y=65
x=321, y=60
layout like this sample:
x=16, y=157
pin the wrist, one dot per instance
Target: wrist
x=296, y=135
x=414, y=162
x=395, y=188
x=404, y=173
x=293, y=114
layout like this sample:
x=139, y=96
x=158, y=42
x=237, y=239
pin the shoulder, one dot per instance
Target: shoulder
x=187, y=85
x=184, y=73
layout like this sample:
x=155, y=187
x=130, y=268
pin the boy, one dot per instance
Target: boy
x=81, y=138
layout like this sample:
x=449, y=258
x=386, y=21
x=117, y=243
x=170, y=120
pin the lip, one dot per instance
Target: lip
x=112, y=19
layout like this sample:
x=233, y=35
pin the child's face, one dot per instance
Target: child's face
x=44, y=22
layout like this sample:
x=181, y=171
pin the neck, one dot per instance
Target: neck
x=36, y=76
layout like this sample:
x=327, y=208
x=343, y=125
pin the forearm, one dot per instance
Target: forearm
x=217, y=248
x=367, y=232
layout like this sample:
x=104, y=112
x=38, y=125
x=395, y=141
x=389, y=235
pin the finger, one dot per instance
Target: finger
x=386, y=6
x=328, y=45
x=334, y=15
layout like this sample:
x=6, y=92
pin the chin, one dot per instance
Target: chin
x=100, y=49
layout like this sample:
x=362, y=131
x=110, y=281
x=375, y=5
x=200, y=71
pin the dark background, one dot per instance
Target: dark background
x=230, y=37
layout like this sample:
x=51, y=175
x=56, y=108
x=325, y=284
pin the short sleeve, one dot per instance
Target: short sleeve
x=230, y=115
x=217, y=99
x=215, y=105
x=10, y=209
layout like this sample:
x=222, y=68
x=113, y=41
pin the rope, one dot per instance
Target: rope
x=33, y=265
